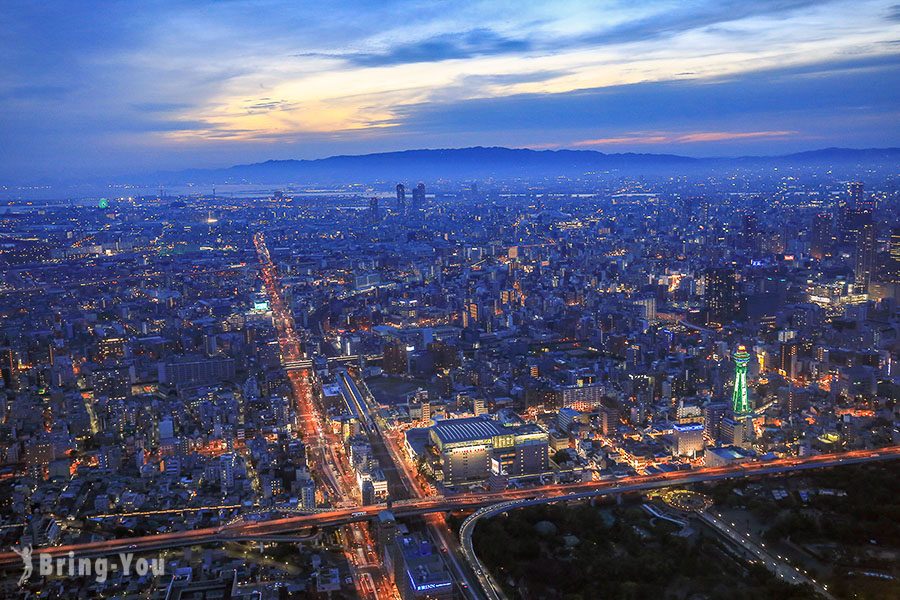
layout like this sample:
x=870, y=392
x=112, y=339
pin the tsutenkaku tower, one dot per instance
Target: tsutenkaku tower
x=740, y=399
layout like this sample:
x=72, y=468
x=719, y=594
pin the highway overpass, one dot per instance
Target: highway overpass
x=519, y=497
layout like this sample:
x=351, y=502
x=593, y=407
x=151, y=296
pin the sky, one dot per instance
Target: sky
x=95, y=89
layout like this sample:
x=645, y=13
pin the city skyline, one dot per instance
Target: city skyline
x=432, y=300
x=117, y=91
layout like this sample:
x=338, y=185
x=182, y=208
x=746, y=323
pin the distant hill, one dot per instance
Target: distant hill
x=506, y=163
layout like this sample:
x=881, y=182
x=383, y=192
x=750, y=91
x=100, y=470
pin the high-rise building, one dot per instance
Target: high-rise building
x=373, y=209
x=688, y=439
x=418, y=196
x=857, y=198
x=479, y=407
x=704, y=219
x=864, y=250
x=751, y=232
x=722, y=299
x=713, y=413
x=395, y=361
x=306, y=488
x=735, y=432
x=401, y=197
x=788, y=357
x=609, y=418
x=226, y=472
x=111, y=348
x=740, y=397
x=855, y=194
x=646, y=308
x=822, y=240
x=893, y=275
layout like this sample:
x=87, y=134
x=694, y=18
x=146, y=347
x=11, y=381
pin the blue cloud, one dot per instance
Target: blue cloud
x=486, y=42
x=38, y=92
x=811, y=99
x=693, y=16
x=161, y=107
x=467, y=44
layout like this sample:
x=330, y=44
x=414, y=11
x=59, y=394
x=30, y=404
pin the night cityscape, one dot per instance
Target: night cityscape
x=476, y=301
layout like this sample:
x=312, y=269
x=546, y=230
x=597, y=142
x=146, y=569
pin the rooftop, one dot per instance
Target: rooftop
x=469, y=429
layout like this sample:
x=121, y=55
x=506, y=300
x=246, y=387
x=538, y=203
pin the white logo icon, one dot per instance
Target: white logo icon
x=25, y=554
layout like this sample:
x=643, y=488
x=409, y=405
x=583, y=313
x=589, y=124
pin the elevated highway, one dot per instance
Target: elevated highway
x=421, y=506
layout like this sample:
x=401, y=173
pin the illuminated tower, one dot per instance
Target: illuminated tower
x=740, y=399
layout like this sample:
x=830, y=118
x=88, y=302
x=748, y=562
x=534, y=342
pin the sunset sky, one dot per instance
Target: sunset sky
x=106, y=88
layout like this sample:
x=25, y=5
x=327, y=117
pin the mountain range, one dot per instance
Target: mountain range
x=498, y=162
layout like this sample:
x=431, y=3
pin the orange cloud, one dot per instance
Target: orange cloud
x=662, y=137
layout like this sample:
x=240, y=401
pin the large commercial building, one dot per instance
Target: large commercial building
x=471, y=449
x=581, y=397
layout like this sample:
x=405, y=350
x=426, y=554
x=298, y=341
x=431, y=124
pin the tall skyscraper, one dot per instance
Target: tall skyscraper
x=373, y=209
x=855, y=194
x=849, y=207
x=401, y=197
x=787, y=357
x=418, y=196
x=722, y=299
x=894, y=258
x=821, y=243
x=864, y=249
x=740, y=397
x=751, y=233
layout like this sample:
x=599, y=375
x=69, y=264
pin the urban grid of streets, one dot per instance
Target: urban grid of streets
x=339, y=494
